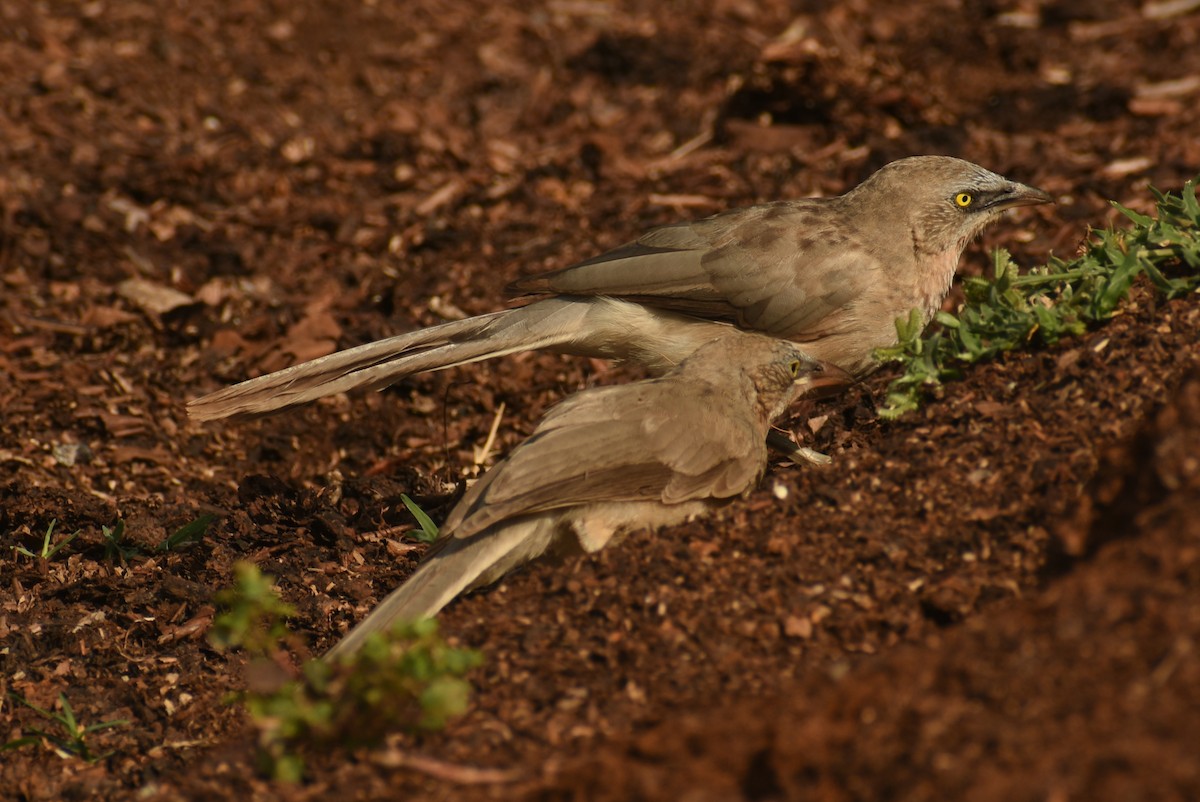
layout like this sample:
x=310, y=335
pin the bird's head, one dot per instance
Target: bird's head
x=938, y=203
x=779, y=371
x=776, y=371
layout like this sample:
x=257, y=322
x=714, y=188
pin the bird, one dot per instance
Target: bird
x=607, y=461
x=830, y=274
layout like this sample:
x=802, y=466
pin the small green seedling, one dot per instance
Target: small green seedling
x=115, y=547
x=409, y=679
x=72, y=742
x=48, y=549
x=253, y=618
x=429, y=530
x=189, y=533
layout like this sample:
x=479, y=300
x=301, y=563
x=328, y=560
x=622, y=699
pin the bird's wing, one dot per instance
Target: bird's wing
x=649, y=441
x=778, y=268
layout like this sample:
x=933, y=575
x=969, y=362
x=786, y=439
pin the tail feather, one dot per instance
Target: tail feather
x=378, y=364
x=599, y=327
x=453, y=566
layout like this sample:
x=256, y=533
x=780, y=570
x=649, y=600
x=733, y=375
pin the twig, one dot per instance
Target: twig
x=441, y=770
x=482, y=454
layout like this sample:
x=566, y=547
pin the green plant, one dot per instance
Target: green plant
x=115, y=547
x=191, y=532
x=408, y=679
x=72, y=742
x=411, y=662
x=1060, y=299
x=253, y=618
x=48, y=549
x=429, y=530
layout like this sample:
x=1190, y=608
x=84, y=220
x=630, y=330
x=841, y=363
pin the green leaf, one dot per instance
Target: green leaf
x=191, y=532
x=429, y=530
x=1140, y=219
x=17, y=743
x=948, y=320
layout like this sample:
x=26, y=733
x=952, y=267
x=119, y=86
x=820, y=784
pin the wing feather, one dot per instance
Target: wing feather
x=648, y=441
x=776, y=268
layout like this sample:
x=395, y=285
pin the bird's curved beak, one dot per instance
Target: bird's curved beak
x=824, y=379
x=1020, y=195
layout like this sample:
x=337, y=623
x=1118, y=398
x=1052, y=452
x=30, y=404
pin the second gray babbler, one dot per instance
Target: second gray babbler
x=611, y=460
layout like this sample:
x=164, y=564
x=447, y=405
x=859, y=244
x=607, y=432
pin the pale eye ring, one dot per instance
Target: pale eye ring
x=963, y=199
x=794, y=367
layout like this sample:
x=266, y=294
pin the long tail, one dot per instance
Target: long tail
x=378, y=364
x=452, y=566
x=601, y=327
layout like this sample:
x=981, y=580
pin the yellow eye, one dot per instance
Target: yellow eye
x=794, y=367
x=963, y=199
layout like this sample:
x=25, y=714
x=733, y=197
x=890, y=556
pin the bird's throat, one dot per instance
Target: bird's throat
x=934, y=282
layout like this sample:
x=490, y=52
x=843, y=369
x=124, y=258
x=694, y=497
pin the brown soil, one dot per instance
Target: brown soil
x=993, y=599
